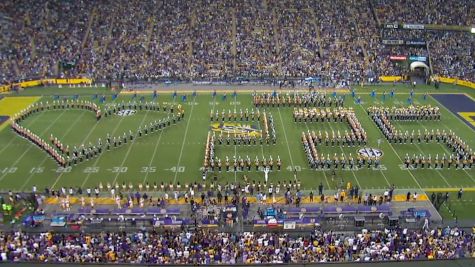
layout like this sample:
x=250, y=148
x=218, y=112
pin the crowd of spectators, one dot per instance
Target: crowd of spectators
x=458, y=12
x=211, y=247
x=337, y=41
x=453, y=54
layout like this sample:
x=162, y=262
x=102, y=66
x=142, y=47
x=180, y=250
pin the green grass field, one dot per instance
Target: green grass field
x=176, y=153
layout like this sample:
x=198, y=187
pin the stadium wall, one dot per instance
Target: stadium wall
x=33, y=83
x=456, y=81
x=390, y=78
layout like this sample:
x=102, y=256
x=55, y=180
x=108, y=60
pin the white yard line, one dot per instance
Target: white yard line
x=341, y=149
x=100, y=155
x=15, y=135
x=130, y=147
x=83, y=141
x=446, y=149
x=261, y=145
x=153, y=155
x=324, y=172
x=154, y=152
x=235, y=148
x=285, y=136
x=385, y=178
x=420, y=150
x=390, y=145
x=31, y=146
x=47, y=157
x=184, y=141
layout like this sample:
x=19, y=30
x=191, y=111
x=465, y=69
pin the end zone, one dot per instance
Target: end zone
x=9, y=106
x=459, y=104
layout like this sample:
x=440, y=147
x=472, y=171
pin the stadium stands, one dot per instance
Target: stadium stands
x=211, y=247
x=338, y=42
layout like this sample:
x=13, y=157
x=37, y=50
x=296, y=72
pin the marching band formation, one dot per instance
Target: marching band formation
x=356, y=136
x=462, y=155
x=343, y=162
x=310, y=99
x=212, y=163
x=64, y=156
x=56, y=150
x=242, y=134
x=113, y=108
x=243, y=115
x=410, y=113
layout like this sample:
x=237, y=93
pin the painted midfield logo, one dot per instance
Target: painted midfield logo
x=235, y=129
x=370, y=152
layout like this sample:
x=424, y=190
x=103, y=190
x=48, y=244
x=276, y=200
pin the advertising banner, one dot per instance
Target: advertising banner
x=418, y=58
x=415, y=42
x=398, y=58
x=391, y=26
x=393, y=42
x=413, y=26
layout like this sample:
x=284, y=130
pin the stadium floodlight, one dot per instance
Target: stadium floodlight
x=472, y=30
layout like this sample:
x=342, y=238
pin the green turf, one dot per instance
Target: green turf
x=460, y=209
x=176, y=154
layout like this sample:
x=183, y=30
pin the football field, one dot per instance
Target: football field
x=176, y=153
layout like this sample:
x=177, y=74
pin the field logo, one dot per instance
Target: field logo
x=370, y=152
x=126, y=112
x=236, y=129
